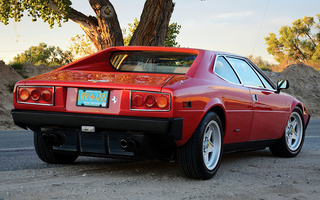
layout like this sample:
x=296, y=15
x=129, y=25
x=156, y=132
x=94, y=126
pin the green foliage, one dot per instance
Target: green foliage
x=296, y=43
x=10, y=87
x=128, y=35
x=173, y=31
x=15, y=9
x=19, y=68
x=43, y=54
x=81, y=46
x=262, y=64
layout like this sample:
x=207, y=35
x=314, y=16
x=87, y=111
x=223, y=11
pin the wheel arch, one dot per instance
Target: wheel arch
x=216, y=105
x=292, y=103
x=298, y=104
x=221, y=113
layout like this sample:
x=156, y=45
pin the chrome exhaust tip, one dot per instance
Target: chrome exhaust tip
x=123, y=143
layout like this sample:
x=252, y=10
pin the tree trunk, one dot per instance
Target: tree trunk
x=154, y=21
x=108, y=32
x=104, y=30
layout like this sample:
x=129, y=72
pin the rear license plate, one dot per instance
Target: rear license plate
x=93, y=98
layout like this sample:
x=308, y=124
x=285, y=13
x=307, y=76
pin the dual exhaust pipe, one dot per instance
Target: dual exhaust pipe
x=55, y=139
x=128, y=144
x=52, y=139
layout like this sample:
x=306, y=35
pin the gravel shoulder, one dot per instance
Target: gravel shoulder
x=246, y=175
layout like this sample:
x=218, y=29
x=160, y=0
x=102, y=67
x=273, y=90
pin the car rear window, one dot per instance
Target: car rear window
x=152, y=61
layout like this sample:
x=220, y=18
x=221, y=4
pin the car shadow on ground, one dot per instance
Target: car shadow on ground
x=130, y=167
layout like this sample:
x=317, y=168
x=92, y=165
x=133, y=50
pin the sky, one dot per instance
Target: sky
x=223, y=25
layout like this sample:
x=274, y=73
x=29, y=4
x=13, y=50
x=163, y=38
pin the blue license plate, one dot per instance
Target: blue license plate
x=93, y=98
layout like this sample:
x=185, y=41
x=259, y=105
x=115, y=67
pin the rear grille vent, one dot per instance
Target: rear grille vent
x=92, y=142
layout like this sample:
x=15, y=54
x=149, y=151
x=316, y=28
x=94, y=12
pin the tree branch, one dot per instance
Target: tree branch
x=154, y=21
x=104, y=30
x=75, y=16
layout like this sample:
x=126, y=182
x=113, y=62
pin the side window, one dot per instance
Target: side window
x=265, y=82
x=246, y=73
x=224, y=70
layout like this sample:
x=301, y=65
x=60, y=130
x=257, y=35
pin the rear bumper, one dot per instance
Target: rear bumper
x=169, y=126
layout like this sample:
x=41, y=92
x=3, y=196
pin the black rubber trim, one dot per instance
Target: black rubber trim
x=171, y=126
x=309, y=117
x=249, y=145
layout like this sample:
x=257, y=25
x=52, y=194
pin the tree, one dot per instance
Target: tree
x=44, y=55
x=104, y=28
x=173, y=31
x=296, y=43
x=128, y=35
x=170, y=40
x=262, y=64
x=81, y=46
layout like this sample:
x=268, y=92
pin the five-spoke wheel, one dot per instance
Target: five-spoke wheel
x=211, y=145
x=200, y=157
x=292, y=140
x=294, y=131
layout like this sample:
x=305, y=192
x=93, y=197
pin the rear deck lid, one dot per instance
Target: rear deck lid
x=88, y=78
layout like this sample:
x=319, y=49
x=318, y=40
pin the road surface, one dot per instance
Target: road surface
x=246, y=175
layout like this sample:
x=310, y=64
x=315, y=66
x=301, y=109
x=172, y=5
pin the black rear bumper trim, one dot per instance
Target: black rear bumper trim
x=171, y=126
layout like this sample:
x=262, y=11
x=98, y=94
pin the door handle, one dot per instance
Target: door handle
x=255, y=97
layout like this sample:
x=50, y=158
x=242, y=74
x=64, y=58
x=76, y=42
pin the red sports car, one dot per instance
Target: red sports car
x=189, y=104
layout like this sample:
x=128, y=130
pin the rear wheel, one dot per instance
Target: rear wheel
x=200, y=157
x=46, y=153
x=292, y=140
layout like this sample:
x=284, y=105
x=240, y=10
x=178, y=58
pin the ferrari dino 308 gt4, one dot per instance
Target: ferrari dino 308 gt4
x=146, y=102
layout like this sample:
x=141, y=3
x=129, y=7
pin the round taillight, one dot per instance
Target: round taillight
x=137, y=100
x=35, y=95
x=149, y=101
x=46, y=95
x=162, y=102
x=24, y=94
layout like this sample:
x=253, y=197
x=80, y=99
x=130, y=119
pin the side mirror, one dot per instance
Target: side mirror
x=282, y=84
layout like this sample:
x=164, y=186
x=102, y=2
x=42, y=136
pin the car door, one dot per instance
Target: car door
x=269, y=107
x=237, y=101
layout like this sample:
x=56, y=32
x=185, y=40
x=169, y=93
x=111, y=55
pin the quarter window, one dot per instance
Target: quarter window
x=247, y=76
x=224, y=70
x=265, y=82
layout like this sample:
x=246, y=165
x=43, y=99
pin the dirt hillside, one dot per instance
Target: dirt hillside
x=304, y=85
x=8, y=77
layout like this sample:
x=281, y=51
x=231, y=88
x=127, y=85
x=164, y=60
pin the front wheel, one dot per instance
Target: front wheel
x=200, y=157
x=292, y=140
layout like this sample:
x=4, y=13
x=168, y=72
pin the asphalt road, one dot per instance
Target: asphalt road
x=246, y=175
x=22, y=140
x=18, y=145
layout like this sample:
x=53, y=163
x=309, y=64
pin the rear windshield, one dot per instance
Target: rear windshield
x=152, y=61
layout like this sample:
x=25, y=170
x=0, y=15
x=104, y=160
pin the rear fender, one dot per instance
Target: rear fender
x=214, y=104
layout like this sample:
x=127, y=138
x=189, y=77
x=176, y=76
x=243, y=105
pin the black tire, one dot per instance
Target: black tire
x=46, y=154
x=292, y=139
x=192, y=156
